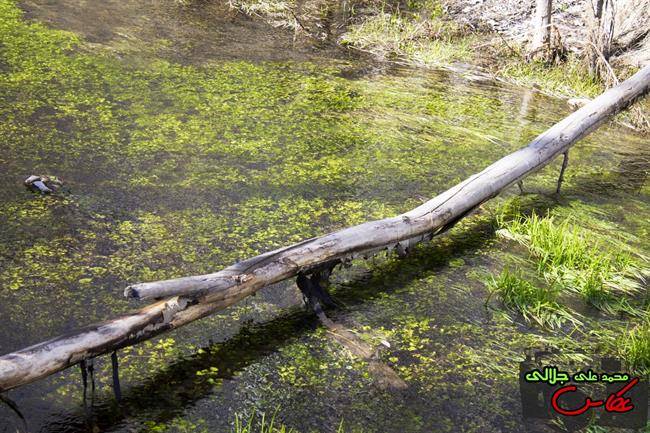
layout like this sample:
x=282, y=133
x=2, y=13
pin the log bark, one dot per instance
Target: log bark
x=203, y=295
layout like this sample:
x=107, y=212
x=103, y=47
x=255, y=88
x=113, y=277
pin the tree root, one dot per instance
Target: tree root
x=315, y=294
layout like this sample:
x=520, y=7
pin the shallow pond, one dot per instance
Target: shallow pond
x=190, y=137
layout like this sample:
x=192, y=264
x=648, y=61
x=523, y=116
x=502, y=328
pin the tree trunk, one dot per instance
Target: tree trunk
x=542, y=25
x=546, y=45
x=203, y=295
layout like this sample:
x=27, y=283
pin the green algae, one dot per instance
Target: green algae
x=194, y=134
x=87, y=104
x=230, y=130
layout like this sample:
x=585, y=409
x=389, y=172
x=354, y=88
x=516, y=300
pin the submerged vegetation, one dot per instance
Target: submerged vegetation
x=578, y=264
x=571, y=258
x=536, y=304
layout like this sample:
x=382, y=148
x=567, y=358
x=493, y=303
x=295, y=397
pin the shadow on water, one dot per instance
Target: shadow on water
x=164, y=396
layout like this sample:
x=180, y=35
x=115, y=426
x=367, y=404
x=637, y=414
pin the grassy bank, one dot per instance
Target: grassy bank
x=423, y=33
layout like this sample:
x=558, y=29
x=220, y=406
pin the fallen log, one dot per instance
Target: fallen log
x=199, y=296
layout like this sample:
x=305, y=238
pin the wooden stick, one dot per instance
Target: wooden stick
x=565, y=162
x=117, y=389
x=203, y=295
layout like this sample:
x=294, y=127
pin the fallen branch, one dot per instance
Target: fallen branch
x=203, y=295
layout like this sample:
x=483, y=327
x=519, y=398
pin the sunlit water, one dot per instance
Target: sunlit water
x=192, y=137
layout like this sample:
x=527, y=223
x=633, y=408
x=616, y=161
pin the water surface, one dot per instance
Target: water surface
x=190, y=137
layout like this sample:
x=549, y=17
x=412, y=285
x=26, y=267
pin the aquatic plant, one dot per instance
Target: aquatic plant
x=573, y=258
x=536, y=304
x=264, y=425
x=635, y=348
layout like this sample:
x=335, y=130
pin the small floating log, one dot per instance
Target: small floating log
x=199, y=296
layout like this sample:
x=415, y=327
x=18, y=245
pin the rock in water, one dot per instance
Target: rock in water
x=43, y=184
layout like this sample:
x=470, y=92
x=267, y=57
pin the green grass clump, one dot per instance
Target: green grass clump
x=392, y=35
x=636, y=348
x=574, y=259
x=263, y=426
x=569, y=79
x=536, y=304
